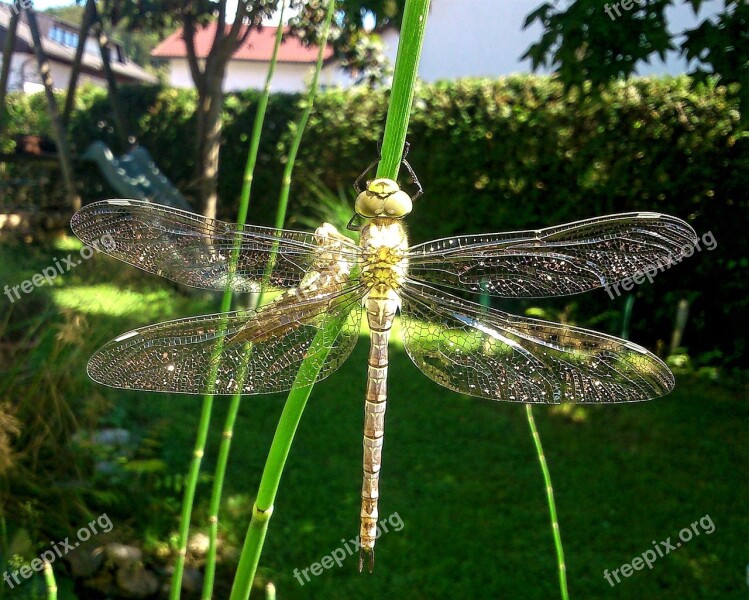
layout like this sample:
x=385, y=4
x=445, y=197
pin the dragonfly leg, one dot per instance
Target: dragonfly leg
x=412, y=173
x=354, y=224
x=357, y=183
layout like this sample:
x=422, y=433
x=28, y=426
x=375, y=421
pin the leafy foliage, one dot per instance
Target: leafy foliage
x=722, y=48
x=354, y=34
x=594, y=41
x=502, y=155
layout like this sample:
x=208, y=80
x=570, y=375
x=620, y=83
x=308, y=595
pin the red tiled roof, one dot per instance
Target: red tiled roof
x=257, y=47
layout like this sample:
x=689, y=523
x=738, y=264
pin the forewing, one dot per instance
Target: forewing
x=195, y=251
x=557, y=261
x=484, y=352
x=210, y=353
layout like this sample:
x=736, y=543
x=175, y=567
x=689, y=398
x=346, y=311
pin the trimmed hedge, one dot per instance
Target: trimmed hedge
x=500, y=155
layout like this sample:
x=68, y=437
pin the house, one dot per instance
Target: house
x=248, y=67
x=483, y=38
x=59, y=42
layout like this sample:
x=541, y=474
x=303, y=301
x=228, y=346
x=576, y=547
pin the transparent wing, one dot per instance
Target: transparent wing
x=484, y=352
x=195, y=251
x=267, y=345
x=556, y=261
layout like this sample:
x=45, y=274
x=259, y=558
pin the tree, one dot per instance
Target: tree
x=349, y=42
x=208, y=74
x=357, y=49
x=594, y=41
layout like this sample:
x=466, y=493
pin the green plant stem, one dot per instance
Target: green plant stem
x=249, y=170
x=274, y=465
x=404, y=83
x=308, y=371
x=552, y=506
x=49, y=578
x=412, y=33
x=228, y=431
x=189, y=495
x=283, y=199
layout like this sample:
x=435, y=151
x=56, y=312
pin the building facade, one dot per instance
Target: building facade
x=59, y=42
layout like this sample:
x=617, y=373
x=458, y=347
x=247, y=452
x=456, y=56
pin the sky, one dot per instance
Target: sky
x=514, y=38
x=44, y=4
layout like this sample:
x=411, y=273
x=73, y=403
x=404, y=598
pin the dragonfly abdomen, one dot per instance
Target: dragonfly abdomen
x=380, y=315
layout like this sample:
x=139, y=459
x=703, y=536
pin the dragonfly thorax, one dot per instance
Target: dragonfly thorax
x=383, y=198
x=384, y=246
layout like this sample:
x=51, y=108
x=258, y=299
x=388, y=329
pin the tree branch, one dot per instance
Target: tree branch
x=243, y=10
x=192, y=58
x=220, y=26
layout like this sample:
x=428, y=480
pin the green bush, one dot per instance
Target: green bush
x=496, y=155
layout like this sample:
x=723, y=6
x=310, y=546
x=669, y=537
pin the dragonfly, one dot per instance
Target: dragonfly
x=326, y=281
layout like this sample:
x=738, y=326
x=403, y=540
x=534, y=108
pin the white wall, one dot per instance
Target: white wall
x=24, y=75
x=242, y=75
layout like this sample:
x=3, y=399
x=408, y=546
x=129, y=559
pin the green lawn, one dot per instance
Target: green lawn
x=461, y=473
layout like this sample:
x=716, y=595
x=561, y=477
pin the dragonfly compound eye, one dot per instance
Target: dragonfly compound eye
x=398, y=205
x=383, y=198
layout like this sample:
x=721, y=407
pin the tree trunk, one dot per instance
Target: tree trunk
x=75, y=70
x=10, y=42
x=210, y=106
x=106, y=60
x=61, y=138
x=209, y=81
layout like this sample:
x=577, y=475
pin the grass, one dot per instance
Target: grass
x=460, y=472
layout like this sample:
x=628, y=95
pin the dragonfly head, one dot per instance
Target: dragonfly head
x=383, y=198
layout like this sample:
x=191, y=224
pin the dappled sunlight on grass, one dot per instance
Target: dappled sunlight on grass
x=108, y=299
x=67, y=243
x=573, y=412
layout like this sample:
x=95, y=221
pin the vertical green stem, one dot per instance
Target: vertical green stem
x=552, y=506
x=412, y=32
x=257, y=128
x=218, y=486
x=404, y=82
x=49, y=578
x=228, y=431
x=188, y=498
x=628, y=305
x=283, y=199
x=274, y=465
x=297, y=399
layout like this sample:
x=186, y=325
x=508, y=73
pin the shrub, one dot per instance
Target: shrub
x=494, y=155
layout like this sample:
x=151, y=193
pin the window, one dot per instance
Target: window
x=63, y=36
